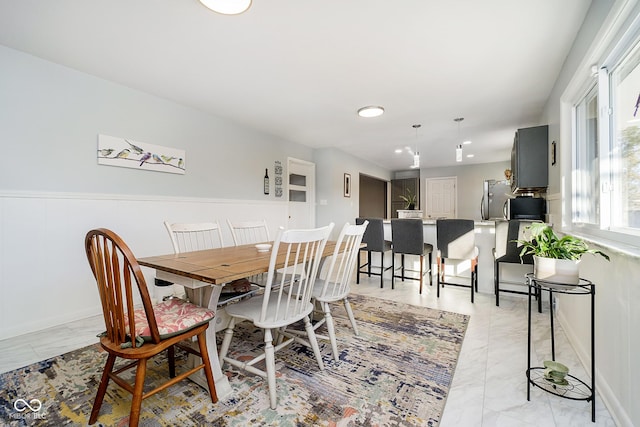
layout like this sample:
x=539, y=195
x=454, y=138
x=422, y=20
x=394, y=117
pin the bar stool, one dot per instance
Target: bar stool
x=507, y=251
x=456, y=239
x=407, y=238
x=374, y=239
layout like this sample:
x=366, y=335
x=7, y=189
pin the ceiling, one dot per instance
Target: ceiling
x=300, y=70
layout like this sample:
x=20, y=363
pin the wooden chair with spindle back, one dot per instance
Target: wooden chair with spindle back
x=138, y=334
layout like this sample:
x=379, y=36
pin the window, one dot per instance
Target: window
x=625, y=143
x=606, y=156
x=586, y=177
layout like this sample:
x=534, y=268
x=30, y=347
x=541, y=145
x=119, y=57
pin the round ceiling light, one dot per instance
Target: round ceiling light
x=370, y=111
x=227, y=7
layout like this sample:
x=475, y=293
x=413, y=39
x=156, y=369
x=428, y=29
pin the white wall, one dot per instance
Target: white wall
x=52, y=191
x=470, y=179
x=50, y=118
x=46, y=279
x=331, y=165
x=617, y=292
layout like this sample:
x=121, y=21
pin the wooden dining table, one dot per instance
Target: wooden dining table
x=203, y=274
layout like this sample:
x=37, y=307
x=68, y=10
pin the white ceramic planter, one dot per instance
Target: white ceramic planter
x=563, y=271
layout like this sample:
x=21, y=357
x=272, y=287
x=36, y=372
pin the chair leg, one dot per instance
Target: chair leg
x=476, y=281
x=496, y=284
x=472, y=283
x=421, y=271
x=171, y=356
x=313, y=340
x=328, y=320
x=402, y=266
x=369, y=263
x=204, y=352
x=393, y=270
x=381, y=269
x=270, y=362
x=438, y=278
x=352, y=318
x=104, y=382
x=226, y=341
x=430, y=268
x=136, y=400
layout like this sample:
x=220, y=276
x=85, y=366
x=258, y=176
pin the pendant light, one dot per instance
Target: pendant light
x=459, y=146
x=416, y=155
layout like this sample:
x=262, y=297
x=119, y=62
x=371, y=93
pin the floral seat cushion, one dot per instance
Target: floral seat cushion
x=173, y=316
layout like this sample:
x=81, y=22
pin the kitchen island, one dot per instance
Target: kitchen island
x=485, y=241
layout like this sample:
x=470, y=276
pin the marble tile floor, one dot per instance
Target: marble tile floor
x=489, y=386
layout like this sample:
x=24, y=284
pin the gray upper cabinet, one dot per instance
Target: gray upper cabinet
x=529, y=164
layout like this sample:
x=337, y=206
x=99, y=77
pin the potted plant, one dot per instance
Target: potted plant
x=409, y=198
x=555, y=259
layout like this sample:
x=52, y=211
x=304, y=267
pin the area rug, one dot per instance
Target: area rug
x=396, y=372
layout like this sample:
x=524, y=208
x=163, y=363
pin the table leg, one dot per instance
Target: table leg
x=207, y=296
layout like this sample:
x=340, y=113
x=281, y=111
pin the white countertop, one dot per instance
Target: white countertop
x=483, y=223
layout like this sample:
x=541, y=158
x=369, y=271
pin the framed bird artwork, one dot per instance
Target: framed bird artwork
x=127, y=153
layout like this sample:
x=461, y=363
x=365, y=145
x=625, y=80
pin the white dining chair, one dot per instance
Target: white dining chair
x=280, y=306
x=189, y=237
x=333, y=284
x=249, y=232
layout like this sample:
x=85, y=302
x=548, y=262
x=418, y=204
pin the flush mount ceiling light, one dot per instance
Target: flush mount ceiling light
x=227, y=7
x=370, y=111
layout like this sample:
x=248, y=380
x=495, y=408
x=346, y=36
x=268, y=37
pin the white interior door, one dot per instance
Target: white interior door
x=442, y=194
x=302, y=193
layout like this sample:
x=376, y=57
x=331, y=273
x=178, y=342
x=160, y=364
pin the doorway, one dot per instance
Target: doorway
x=302, y=193
x=373, y=197
x=442, y=197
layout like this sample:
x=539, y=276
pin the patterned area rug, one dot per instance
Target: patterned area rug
x=397, y=372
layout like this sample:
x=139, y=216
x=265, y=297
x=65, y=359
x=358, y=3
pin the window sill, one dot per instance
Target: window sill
x=607, y=245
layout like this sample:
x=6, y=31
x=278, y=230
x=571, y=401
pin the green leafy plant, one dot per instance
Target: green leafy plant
x=409, y=198
x=545, y=243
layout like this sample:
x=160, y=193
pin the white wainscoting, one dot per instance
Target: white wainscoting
x=45, y=279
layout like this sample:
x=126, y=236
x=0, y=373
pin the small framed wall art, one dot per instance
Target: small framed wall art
x=347, y=185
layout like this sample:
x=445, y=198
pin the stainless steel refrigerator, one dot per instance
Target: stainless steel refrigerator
x=495, y=197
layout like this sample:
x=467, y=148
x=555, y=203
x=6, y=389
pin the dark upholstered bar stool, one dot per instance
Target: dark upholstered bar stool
x=407, y=238
x=456, y=239
x=374, y=239
x=507, y=251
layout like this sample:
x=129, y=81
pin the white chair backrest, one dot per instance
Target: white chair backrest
x=301, y=253
x=342, y=264
x=456, y=238
x=189, y=237
x=248, y=232
x=507, y=231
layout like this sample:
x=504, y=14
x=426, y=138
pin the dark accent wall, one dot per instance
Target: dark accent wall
x=373, y=197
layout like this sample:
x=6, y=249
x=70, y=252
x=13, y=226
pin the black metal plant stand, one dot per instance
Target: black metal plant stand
x=574, y=388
